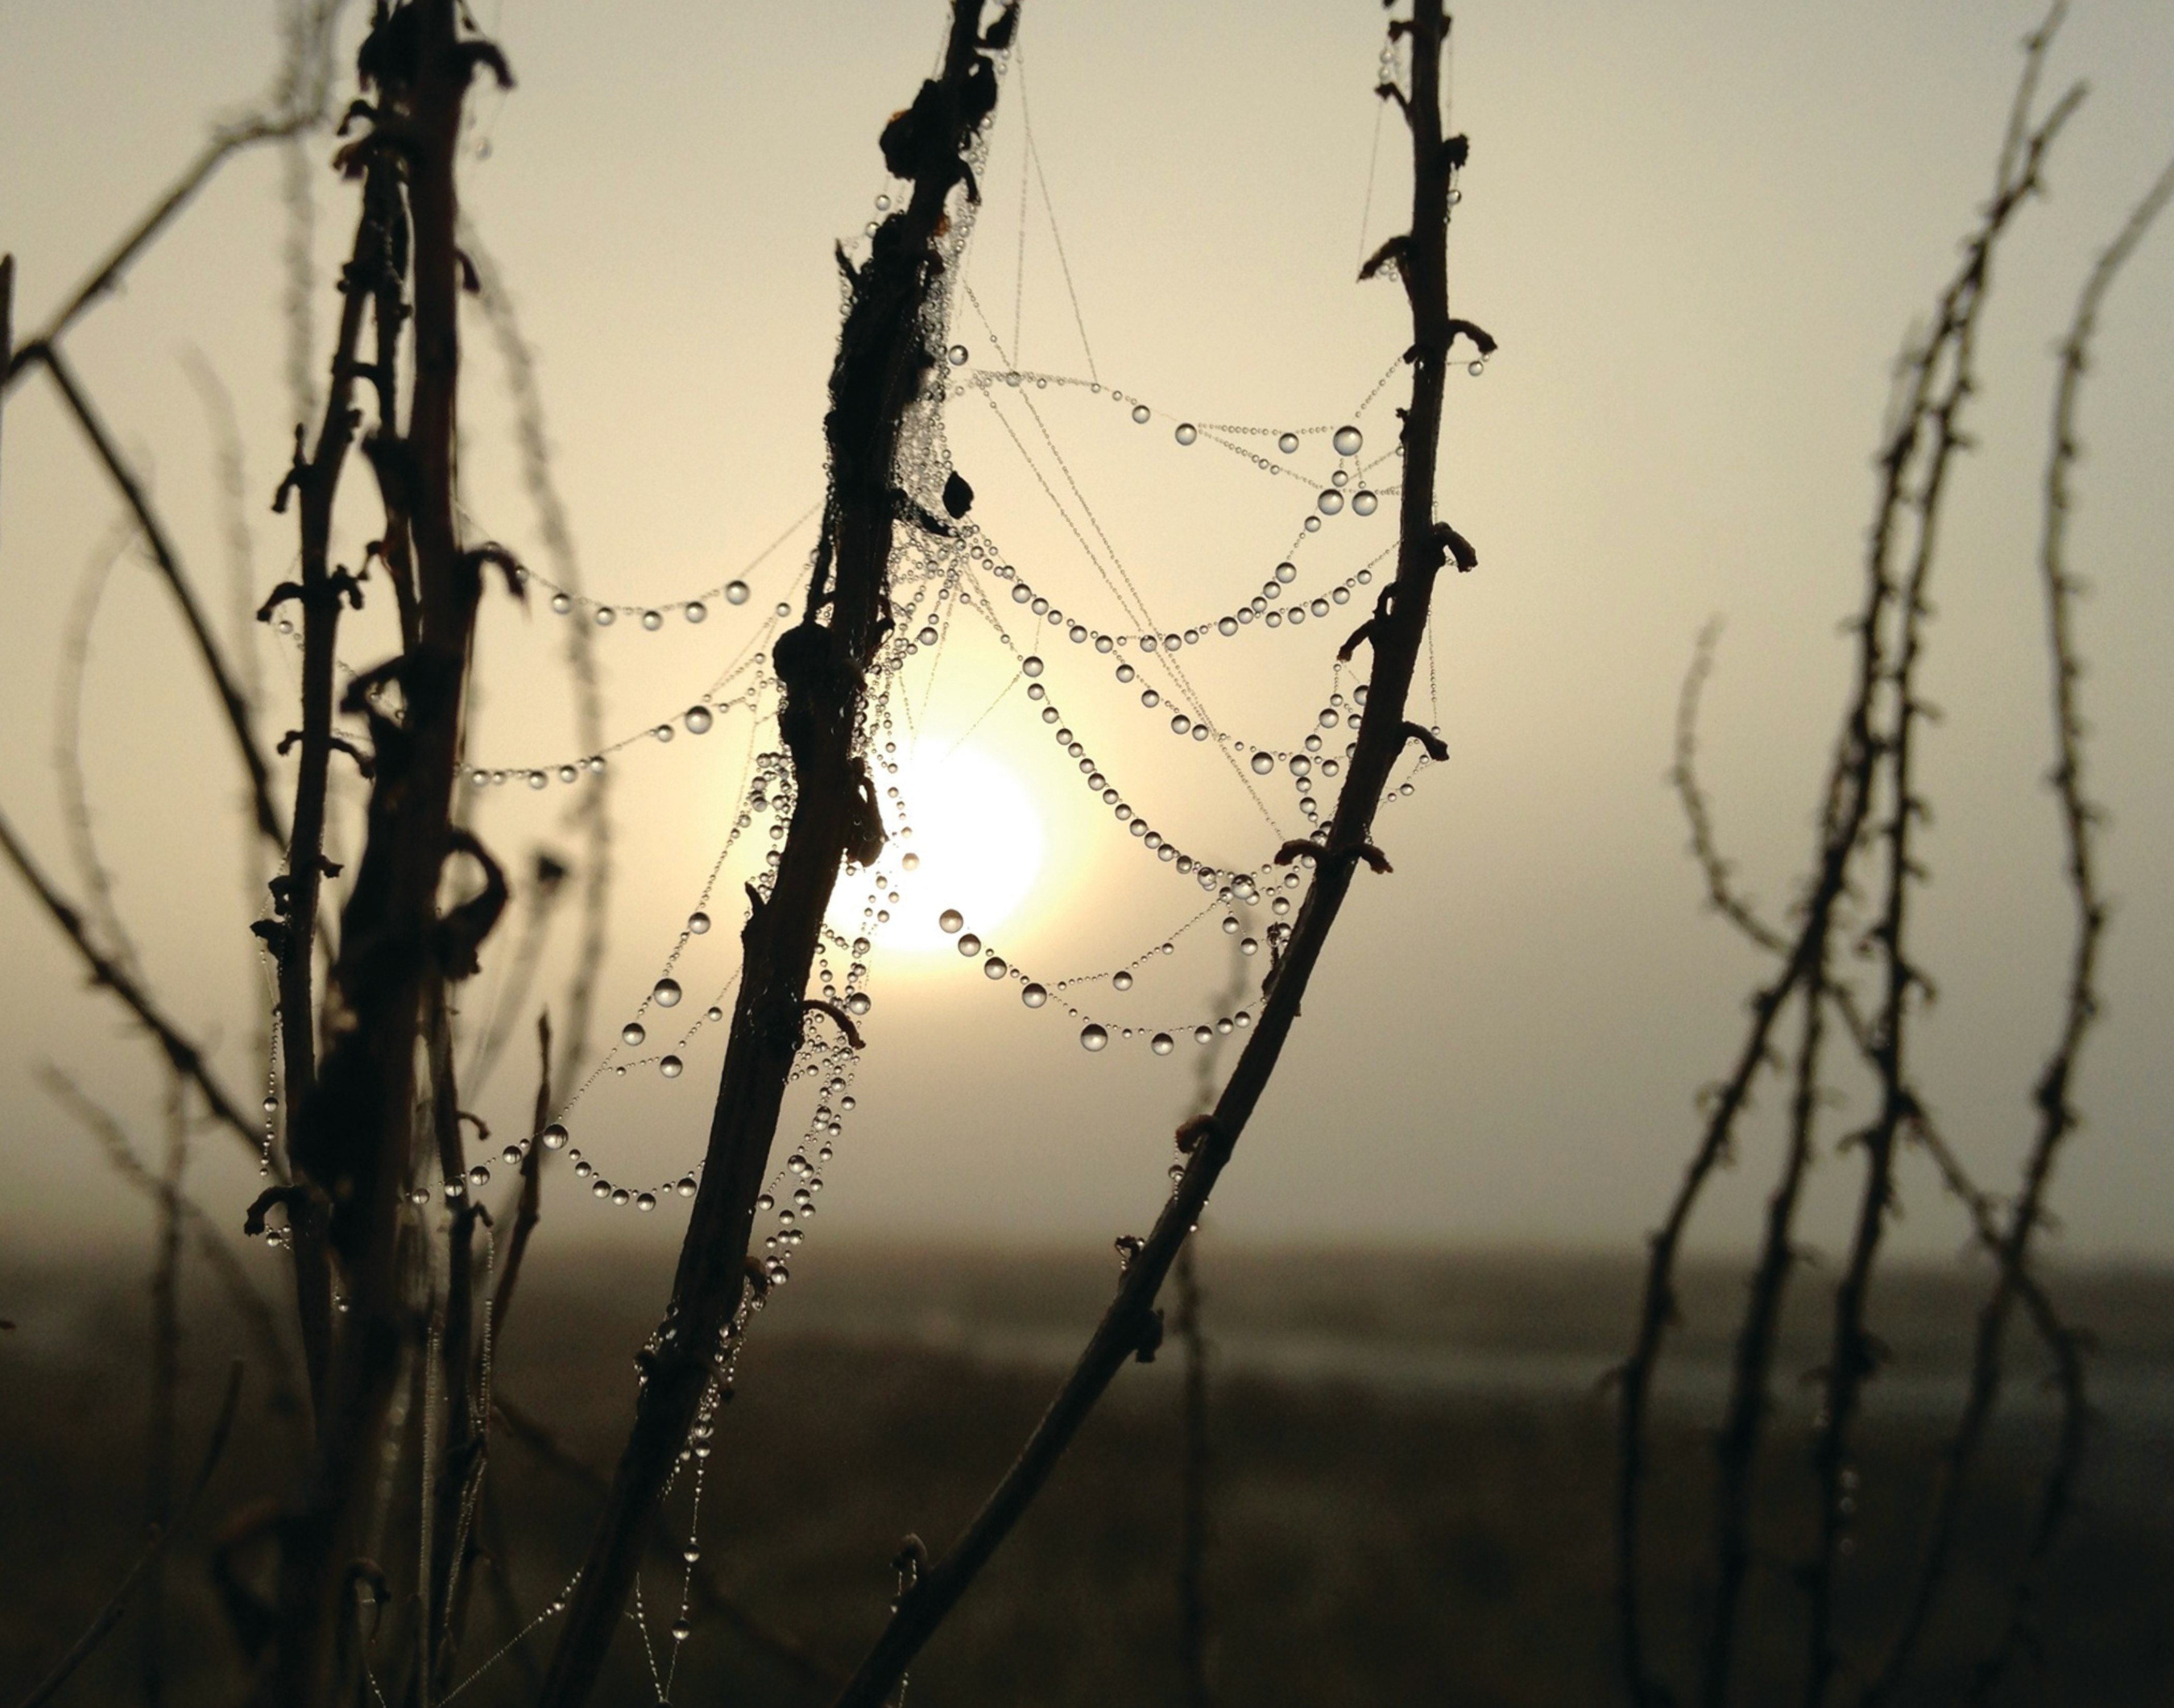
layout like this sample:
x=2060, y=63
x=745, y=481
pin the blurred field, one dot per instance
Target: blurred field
x=1410, y=1488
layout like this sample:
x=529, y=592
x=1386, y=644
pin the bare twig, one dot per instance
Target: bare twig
x=1853, y=1356
x=211, y=1240
x=1128, y=1323
x=163, y=552
x=1722, y=894
x=110, y=1614
x=186, y=1058
x=530, y=1208
x=883, y=357
x=667, y=1544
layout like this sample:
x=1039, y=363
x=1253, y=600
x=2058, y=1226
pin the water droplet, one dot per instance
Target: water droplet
x=1120, y=979
x=1226, y=625
x=555, y=1137
x=698, y=923
x=1179, y=724
x=667, y=993
x=951, y=920
x=1319, y=608
x=510, y=1155
x=606, y=616
x=970, y=944
x=958, y=355
x=912, y=862
x=631, y=1034
x=1287, y=443
x=671, y=1066
x=620, y=1196
x=1162, y=1044
x=478, y=1176
x=567, y=774
x=698, y=720
x=1034, y=996
x=1263, y=763
x=1330, y=501
x=1149, y=697
x=736, y=592
x=1141, y=413
x=1030, y=666
x=858, y=1003
x=1476, y=369
x=1249, y=945
x=1341, y=477
x=680, y=1629
x=1230, y=926
x=1300, y=766
x=686, y=1186
x=1348, y=440
x=652, y=619
x=1312, y=526
x=1201, y=1035
x=1287, y=573
x=994, y=967
x=561, y=603
x=1093, y=1038
x=1364, y=503
x=647, y=1201
x=1186, y=433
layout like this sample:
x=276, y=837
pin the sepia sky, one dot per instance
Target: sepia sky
x=1700, y=232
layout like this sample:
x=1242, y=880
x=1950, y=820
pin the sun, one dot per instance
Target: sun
x=977, y=844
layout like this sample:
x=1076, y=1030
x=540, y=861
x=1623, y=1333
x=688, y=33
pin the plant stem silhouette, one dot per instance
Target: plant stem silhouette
x=1398, y=629
x=883, y=357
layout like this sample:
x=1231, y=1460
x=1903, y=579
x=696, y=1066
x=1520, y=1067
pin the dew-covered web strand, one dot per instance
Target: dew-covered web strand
x=1049, y=207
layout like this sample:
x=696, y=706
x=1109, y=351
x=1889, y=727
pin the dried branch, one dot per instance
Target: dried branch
x=530, y=1206
x=1722, y=894
x=186, y=1058
x=1129, y=1325
x=110, y=1614
x=1854, y=1354
x=667, y=1545
x=883, y=357
x=211, y=1241
x=235, y=707
x=591, y=810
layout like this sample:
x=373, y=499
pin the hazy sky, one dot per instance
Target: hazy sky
x=1700, y=232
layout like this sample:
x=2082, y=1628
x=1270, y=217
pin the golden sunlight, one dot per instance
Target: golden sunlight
x=977, y=839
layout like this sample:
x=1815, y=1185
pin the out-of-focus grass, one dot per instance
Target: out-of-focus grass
x=1422, y=1517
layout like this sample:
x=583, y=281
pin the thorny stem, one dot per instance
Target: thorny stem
x=2057, y=1115
x=1854, y=1354
x=351, y=1137
x=1863, y=752
x=883, y=359
x=231, y=700
x=1397, y=634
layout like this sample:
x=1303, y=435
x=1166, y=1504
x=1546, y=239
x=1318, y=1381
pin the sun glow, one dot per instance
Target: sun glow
x=977, y=840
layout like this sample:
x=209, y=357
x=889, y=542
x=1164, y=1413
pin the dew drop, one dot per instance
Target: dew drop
x=667, y=993
x=698, y=923
x=510, y=1155
x=1201, y=1035
x=994, y=967
x=652, y=619
x=478, y=1176
x=1030, y=666
x=1249, y=945
x=698, y=720
x=1120, y=979
x=1186, y=433
x=1364, y=503
x=1287, y=443
x=606, y=616
x=1093, y=1038
x=647, y=1201
x=631, y=1034
x=1162, y=1043
x=555, y=1137
x=695, y=611
x=1226, y=625
x=1476, y=369
x=561, y=603
x=912, y=862
x=736, y=592
x=957, y=353
x=1287, y=573
x=537, y=780
x=858, y=1003
x=1330, y=501
x=686, y=1186
x=951, y=920
x=1348, y=440
x=1034, y=996
x=1141, y=413
x=970, y=944
x=1179, y=724
x=567, y=774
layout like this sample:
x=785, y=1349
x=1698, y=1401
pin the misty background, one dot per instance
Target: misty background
x=1699, y=232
